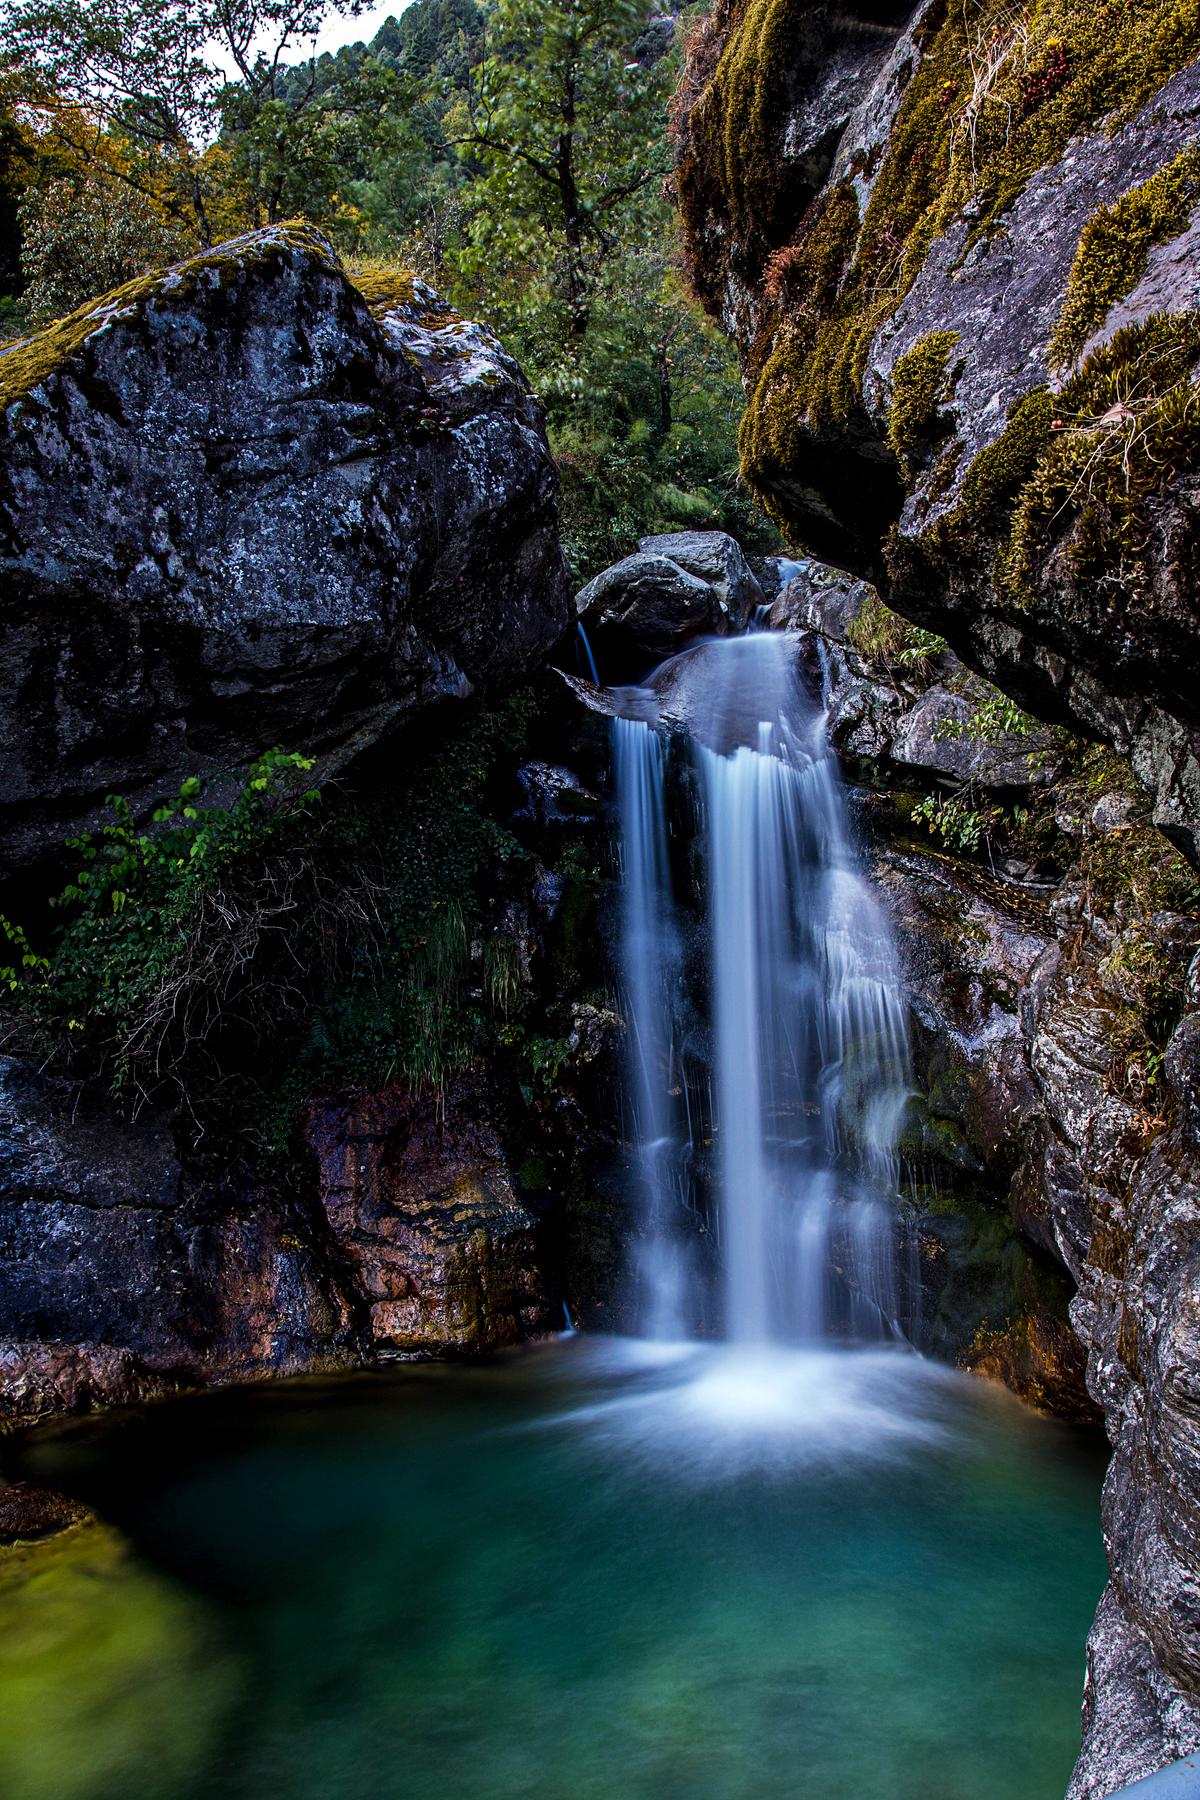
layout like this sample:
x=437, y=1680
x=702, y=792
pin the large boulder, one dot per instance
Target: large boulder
x=961, y=264
x=248, y=503
x=676, y=587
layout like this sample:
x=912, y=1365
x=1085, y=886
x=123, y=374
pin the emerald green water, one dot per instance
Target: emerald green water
x=586, y=1573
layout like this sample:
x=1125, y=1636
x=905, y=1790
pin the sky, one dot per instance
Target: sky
x=337, y=31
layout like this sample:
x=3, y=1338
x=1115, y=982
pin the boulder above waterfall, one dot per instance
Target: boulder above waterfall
x=245, y=503
x=676, y=587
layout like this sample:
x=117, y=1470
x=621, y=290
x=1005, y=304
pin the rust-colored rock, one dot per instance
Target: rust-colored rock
x=1041, y=1360
x=27, y=1512
x=122, y=1274
x=420, y=1201
x=38, y=1379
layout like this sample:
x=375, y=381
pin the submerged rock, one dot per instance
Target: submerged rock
x=241, y=505
x=28, y=1512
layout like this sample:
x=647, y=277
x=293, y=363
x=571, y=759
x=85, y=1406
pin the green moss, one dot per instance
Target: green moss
x=27, y=361
x=1126, y=425
x=1115, y=246
x=30, y=360
x=382, y=285
x=973, y=126
x=999, y=469
x=919, y=387
x=735, y=124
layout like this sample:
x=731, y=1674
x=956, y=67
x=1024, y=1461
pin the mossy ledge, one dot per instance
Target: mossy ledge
x=27, y=361
x=1115, y=248
x=994, y=98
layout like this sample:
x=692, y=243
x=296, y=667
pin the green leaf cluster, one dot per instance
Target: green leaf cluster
x=258, y=942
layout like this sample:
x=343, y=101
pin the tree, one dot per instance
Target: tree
x=566, y=126
x=569, y=251
x=156, y=75
x=82, y=237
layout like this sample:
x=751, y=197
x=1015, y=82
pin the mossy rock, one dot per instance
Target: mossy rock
x=26, y=362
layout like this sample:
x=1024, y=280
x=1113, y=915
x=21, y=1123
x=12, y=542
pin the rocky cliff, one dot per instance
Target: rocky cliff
x=1053, y=988
x=255, y=501
x=247, y=502
x=958, y=251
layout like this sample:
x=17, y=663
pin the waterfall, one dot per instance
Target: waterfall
x=649, y=973
x=809, y=1047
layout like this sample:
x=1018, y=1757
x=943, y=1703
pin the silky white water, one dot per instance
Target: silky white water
x=650, y=966
x=809, y=1056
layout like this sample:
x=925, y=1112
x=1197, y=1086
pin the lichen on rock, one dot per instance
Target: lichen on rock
x=307, y=514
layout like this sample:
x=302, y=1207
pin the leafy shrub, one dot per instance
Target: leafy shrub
x=958, y=821
x=881, y=634
x=83, y=237
x=249, y=948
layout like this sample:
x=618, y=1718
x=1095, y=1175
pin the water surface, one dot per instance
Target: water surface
x=595, y=1571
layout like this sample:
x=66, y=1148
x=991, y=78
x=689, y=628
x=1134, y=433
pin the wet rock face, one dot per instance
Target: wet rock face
x=911, y=416
x=423, y=1211
x=247, y=509
x=122, y=1273
x=908, y=718
x=677, y=586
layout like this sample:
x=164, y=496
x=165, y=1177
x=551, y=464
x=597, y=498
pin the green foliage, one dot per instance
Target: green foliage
x=961, y=824
x=919, y=388
x=1115, y=247
x=881, y=634
x=249, y=948
x=136, y=89
x=140, y=963
x=995, y=718
x=85, y=237
x=567, y=252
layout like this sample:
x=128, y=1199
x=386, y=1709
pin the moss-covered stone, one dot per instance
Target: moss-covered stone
x=383, y=286
x=920, y=381
x=28, y=361
x=1116, y=244
x=1124, y=428
x=994, y=98
x=25, y=362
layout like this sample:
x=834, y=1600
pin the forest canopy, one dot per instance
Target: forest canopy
x=515, y=155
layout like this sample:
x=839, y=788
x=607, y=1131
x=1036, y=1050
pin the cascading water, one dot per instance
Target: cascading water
x=809, y=1048
x=650, y=955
